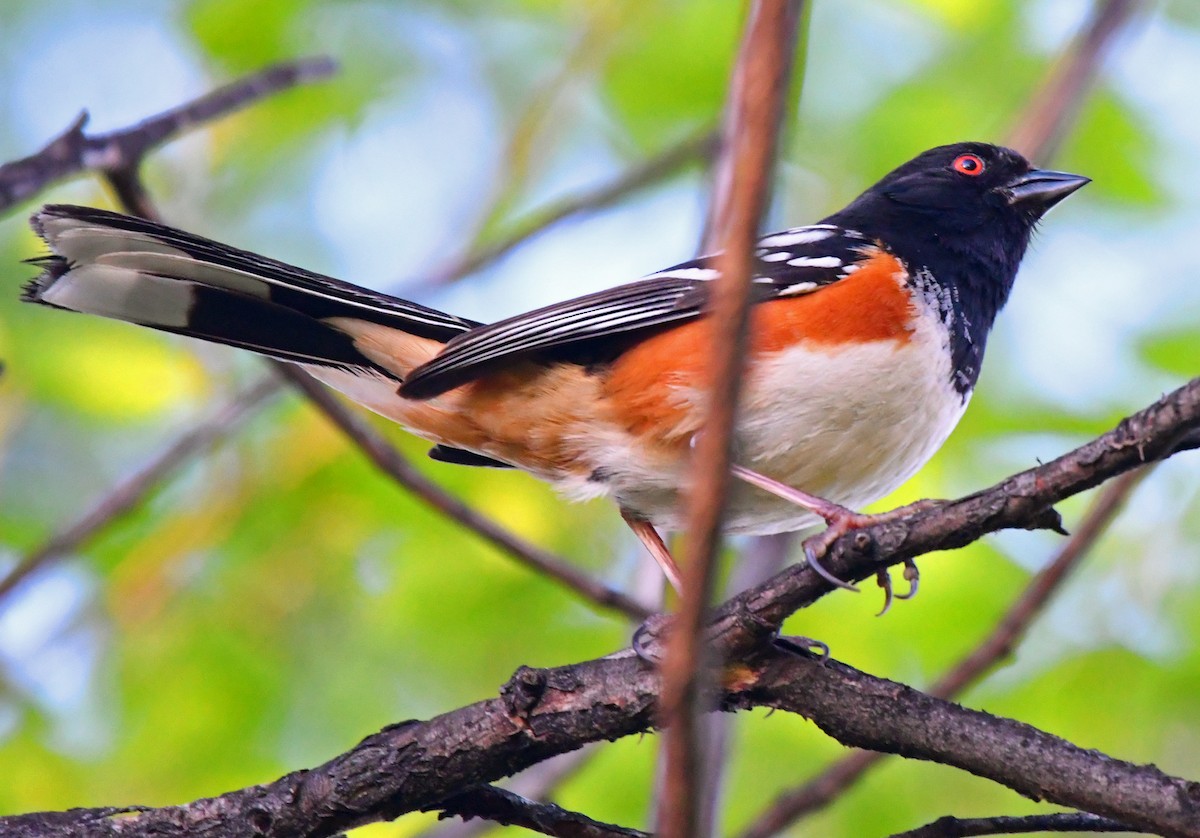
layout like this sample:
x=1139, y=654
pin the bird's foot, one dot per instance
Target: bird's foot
x=884, y=580
x=839, y=521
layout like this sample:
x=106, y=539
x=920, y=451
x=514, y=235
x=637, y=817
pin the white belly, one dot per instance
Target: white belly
x=849, y=427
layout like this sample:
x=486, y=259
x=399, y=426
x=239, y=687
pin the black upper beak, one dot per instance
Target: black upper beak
x=1041, y=189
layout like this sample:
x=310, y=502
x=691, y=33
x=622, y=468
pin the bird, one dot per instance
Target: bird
x=866, y=336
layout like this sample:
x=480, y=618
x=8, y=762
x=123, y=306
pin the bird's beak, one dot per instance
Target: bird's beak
x=1041, y=189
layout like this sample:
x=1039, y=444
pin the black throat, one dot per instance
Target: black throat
x=965, y=275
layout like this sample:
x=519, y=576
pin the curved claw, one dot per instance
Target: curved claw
x=802, y=646
x=641, y=643
x=810, y=555
x=884, y=580
x=913, y=577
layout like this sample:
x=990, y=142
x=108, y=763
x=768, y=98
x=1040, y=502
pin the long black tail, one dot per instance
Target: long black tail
x=131, y=269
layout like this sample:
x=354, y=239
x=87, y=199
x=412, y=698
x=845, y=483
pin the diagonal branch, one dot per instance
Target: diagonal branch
x=126, y=180
x=388, y=459
x=538, y=782
x=1055, y=106
x=641, y=176
x=130, y=492
x=122, y=172
x=117, y=155
x=1023, y=501
x=760, y=84
x=999, y=644
x=75, y=152
x=539, y=713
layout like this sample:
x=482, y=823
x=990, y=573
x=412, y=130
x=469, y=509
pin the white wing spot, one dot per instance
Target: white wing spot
x=816, y=262
x=798, y=288
x=776, y=256
x=798, y=235
x=686, y=273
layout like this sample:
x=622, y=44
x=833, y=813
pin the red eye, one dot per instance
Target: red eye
x=968, y=164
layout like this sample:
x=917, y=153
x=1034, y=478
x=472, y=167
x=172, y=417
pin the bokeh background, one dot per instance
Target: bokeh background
x=278, y=599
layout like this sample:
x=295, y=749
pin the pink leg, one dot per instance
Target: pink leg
x=657, y=548
x=840, y=521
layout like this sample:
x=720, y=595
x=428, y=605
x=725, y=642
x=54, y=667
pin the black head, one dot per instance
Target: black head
x=960, y=216
x=967, y=193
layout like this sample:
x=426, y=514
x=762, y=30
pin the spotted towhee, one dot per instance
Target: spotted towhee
x=865, y=342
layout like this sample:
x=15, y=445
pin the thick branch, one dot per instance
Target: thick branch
x=999, y=644
x=539, y=713
x=885, y=716
x=542, y=713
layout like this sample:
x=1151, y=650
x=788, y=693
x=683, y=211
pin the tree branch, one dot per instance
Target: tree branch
x=415, y=765
x=388, y=459
x=1058, y=822
x=125, y=178
x=642, y=175
x=542, y=713
x=999, y=644
x=1056, y=104
x=117, y=156
x=508, y=809
x=536, y=783
x=130, y=492
x=760, y=84
x=1023, y=501
x=74, y=152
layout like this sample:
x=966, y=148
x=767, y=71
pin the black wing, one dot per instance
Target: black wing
x=796, y=261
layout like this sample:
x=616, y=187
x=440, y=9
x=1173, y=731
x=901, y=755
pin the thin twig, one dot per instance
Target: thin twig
x=753, y=115
x=999, y=644
x=130, y=492
x=1056, y=104
x=949, y=827
x=640, y=176
x=503, y=807
x=117, y=155
x=536, y=783
x=74, y=152
x=519, y=156
x=392, y=463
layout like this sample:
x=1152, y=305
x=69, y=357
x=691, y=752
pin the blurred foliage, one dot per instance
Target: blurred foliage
x=278, y=600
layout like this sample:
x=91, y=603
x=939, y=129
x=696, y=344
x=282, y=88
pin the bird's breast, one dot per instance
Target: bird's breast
x=844, y=397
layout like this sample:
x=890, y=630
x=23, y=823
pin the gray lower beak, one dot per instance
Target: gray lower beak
x=1042, y=188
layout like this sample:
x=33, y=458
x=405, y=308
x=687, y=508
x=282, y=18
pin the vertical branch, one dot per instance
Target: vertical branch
x=759, y=86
